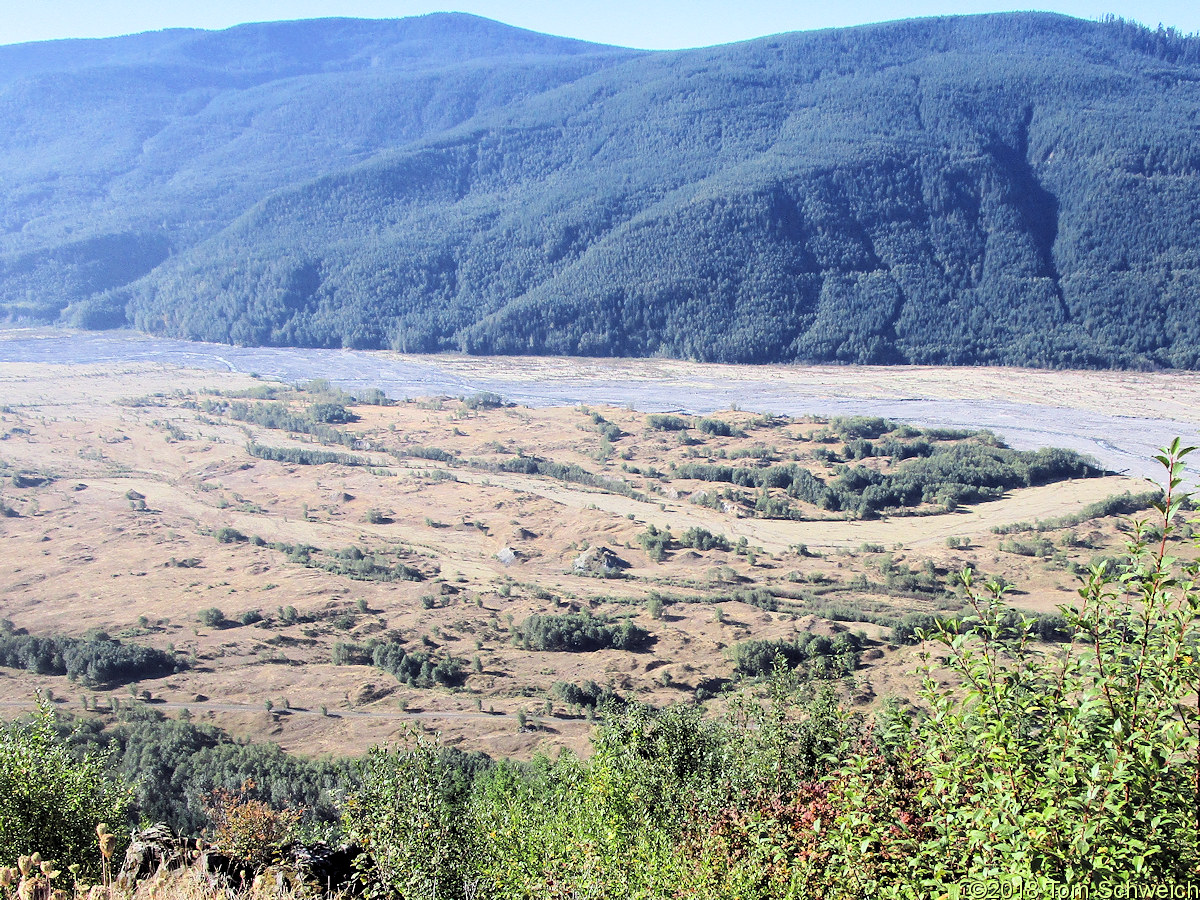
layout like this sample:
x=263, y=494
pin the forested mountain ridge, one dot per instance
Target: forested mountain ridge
x=1016, y=188
x=116, y=153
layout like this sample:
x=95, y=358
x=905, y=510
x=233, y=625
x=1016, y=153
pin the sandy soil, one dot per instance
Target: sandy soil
x=82, y=554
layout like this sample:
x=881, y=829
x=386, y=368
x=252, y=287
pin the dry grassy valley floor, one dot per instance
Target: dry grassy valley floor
x=81, y=554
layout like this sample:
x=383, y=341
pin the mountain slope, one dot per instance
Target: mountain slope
x=1016, y=188
x=115, y=153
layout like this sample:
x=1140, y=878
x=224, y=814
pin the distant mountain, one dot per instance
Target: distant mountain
x=1017, y=189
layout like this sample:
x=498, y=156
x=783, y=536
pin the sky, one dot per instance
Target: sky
x=648, y=24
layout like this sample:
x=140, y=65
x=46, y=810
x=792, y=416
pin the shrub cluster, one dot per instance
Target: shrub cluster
x=664, y=422
x=172, y=765
x=437, y=454
x=533, y=465
x=51, y=800
x=913, y=628
x=484, y=400
x=577, y=633
x=655, y=541
x=277, y=415
x=1123, y=504
x=351, y=562
x=715, y=427
x=821, y=657
x=96, y=659
x=302, y=456
x=702, y=539
x=415, y=668
x=949, y=475
x=588, y=695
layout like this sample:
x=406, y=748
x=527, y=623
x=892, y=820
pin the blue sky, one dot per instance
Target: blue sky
x=635, y=23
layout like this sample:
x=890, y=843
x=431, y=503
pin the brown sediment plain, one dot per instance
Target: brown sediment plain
x=1165, y=395
x=137, y=501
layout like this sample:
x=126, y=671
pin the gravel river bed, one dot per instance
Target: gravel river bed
x=1120, y=418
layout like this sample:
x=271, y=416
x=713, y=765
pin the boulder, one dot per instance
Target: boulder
x=152, y=850
x=331, y=868
x=599, y=561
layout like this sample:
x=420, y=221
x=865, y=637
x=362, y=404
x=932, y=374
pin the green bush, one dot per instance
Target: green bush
x=415, y=668
x=484, y=400
x=212, y=617
x=532, y=465
x=913, y=625
x=851, y=427
x=412, y=811
x=970, y=471
x=822, y=657
x=301, y=456
x=434, y=453
x=715, y=427
x=418, y=669
x=587, y=695
x=655, y=542
x=173, y=765
x=663, y=422
x=51, y=800
x=331, y=414
x=586, y=829
x=703, y=539
x=1071, y=767
x=351, y=562
x=579, y=634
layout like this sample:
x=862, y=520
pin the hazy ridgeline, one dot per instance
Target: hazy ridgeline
x=1009, y=188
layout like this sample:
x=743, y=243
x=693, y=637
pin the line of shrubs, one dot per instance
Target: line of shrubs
x=577, y=633
x=302, y=456
x=1043, y=626
x=951, y=475
x=96, y=659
